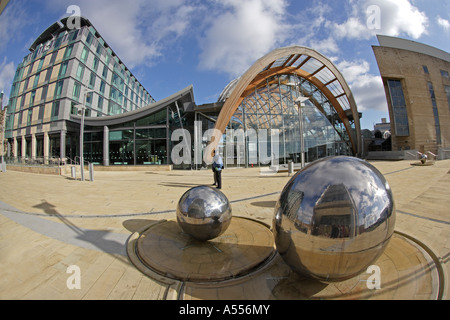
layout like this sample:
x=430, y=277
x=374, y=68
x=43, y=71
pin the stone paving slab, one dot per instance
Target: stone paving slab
x=48, y=223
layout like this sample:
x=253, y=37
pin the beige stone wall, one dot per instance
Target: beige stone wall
x=407, y=66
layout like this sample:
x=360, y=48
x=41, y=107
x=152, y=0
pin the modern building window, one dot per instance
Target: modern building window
x=63, y=70
x=41, y=63
x=105, y=71
x=400, y=112
x=113, y=108
x=73, y=108
x=95, y=64
x=53, y=58
x=22, y=102
x=19, y=122
x=30, y=116
x=25, y=87
x=74, y=35
x=435, y=113
x=102, y=87
x=100, y=103
x=44, y=93
x=447, y=91
x=118, y=81
x=58, y=89
x=80, y=72
x=89, y=98
x=99, y=50
x=68, y=52
x=84, y=54
x=76, y=91
x=89, y=38
x=58, y=41
x=48, y=75
x=41, y=113
x=33, y=96
x=55, y=110
x=92, y=80
x=36, y=80
x=30, y=68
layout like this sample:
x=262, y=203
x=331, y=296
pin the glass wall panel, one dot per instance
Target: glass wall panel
x=158, y=118
x=55, y=146
x=399, y=108
x=121, y=147
x=151, y=152
x=93, y=147
x=272, y=106
x=435, y=113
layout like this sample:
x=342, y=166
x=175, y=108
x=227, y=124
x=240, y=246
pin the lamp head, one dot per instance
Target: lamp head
x=302, y=99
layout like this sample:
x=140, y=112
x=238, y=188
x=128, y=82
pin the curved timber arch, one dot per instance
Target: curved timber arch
x=307, y=64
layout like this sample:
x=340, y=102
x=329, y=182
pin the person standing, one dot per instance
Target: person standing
x=217, y=168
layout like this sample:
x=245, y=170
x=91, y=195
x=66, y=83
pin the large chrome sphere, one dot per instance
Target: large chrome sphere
x=334, y=218
x=204, y=213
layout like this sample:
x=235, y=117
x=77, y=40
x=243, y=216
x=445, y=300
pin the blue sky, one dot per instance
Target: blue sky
x=171, y=44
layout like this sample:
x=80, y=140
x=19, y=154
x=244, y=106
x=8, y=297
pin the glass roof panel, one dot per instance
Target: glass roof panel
x=299, y=61
x=325, y=75
x=312, y=65
x=335, y=88
x=280, y=62
x=344, y=102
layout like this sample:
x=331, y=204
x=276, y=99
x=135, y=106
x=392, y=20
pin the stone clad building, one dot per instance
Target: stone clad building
x=417, y=85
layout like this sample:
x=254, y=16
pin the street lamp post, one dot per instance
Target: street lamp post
x=2, y=134
x=301, y=104
x=82, y=108
x=300, y=101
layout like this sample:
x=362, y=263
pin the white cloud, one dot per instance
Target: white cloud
x=325, y=46
x=7, y=71
x=240, y=32
x=443, y=23
x=353, y=28
x=367, y=89
x=389, y=17
x=136, y=31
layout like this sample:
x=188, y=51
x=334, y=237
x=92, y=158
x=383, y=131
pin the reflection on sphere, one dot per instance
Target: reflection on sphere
x=334, y=218
x=204, y=213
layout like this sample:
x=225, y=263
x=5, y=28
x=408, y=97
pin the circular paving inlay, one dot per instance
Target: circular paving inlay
x=406, y=271
x=167, y=250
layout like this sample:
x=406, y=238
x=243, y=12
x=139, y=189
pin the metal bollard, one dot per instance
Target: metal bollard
x=91, y=172
x=73, y=170
x=291, y=168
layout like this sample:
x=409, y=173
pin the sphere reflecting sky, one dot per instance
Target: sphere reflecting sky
x=204, y=213
x=334, y=218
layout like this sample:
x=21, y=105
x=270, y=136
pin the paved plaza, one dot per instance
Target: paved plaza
x=49, y=223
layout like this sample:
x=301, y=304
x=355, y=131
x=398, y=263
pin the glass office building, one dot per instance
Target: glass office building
x=64, y=68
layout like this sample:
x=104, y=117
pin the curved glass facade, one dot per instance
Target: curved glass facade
x=144, y=141
x=272, y=113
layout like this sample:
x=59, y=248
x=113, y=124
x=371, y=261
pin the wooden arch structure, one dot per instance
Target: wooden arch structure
x=307, y=64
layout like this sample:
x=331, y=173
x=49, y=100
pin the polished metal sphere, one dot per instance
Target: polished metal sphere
x=204, y=213
x=334, y=218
